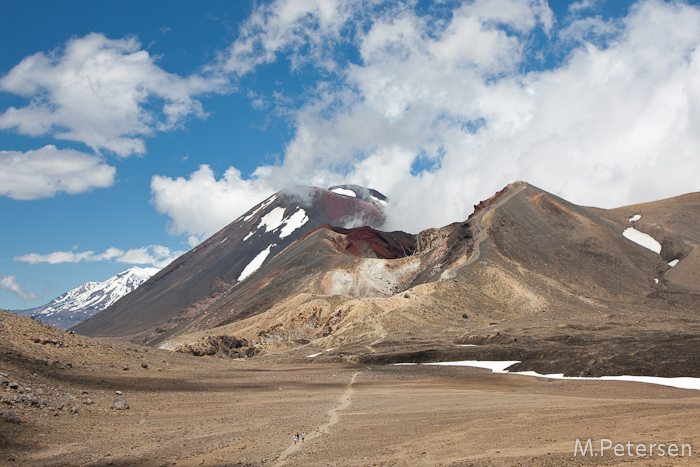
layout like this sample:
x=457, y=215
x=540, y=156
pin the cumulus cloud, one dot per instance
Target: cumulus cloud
x=305, y=30
x=156, y=255
x=439, y=111
x=200, y=205
x=575, y=7
x=44, y=172
x=106, y=93
x=9, y=282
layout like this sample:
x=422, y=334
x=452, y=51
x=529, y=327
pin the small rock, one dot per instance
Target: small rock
x=144, y=366
x=126, y=368
x=119, y=404
x=465, y=316
x=88, y=401
x=75, y=409
x=11, y=458
x=12, y=418
x=119, y=393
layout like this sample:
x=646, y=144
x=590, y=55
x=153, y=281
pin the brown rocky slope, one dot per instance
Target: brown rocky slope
x=527, y=277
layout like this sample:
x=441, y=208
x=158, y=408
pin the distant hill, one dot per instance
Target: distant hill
x=82, y=302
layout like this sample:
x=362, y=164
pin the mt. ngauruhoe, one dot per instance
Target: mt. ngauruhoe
x=528, y=276
x=189, y=285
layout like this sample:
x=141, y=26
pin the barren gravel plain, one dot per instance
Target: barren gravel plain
x=191, y=411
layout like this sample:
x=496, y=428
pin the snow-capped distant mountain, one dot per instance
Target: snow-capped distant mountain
x=82, y=302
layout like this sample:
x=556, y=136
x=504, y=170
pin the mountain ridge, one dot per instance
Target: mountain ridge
x=528, y=276
x=89, y=298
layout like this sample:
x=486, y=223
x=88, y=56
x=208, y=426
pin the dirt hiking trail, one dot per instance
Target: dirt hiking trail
x=333, y=418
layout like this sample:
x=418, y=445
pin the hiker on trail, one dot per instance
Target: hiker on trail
x=295, y=439
x=303, y=435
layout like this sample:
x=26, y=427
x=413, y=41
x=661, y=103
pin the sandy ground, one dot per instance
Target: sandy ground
x=244, y=412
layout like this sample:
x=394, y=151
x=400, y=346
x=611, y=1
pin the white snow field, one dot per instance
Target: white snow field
x=255, y=263
x=275, y=219
x=380, y=201
x=495, y=366
x=272, y=219
x=500, y=367
x=345, y=192
x=293, y=222
x=265, y=204
x=317, y=354
x=640, y=238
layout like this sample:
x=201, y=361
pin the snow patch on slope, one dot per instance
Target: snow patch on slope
x=275, y=219
x=256, y=262
x=265, y=204
x=272, y=220
x=293, y=222
x=635, y=218
x=495, y=366
x=377, y=200
x=500, y=367
x=642, y=239
x=344, y=192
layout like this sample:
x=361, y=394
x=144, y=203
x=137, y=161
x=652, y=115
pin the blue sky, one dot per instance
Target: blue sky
x=131, y=131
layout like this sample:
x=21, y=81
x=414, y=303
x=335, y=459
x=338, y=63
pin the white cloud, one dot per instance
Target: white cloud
x=9, y=282
x=306, y=31
x=592, y=29
x=575, y=7
x=101, y=92
x=156, y=255
x=201, y=204
x=441, y=111
x=44, y=172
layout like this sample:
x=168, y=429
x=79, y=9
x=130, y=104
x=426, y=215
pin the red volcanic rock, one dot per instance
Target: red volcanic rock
x=348, y=211
x=363, y=241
